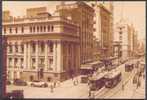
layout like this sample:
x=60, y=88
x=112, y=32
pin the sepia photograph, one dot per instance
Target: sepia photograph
x=74, y=49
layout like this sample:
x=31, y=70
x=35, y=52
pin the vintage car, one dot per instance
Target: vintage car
x=15, y=94
x=19, y=82
x=8, y=82
x=37, y=83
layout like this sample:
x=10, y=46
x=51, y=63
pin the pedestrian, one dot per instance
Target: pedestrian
x=51, y=87
x=89, y=93
x=58, y=82
x=77, y=81
x=123, y=86
x=54, y=84
x=74, y=82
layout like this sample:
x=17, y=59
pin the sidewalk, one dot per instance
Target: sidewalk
x=68, y=90
x=140, y=91
x=131, y=92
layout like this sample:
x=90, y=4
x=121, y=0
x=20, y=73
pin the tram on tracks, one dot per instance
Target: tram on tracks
x=97, y=82
x=112, y=78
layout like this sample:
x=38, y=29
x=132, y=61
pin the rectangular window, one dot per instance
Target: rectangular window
x=16, y=29
x=10, y=61
x=52, y=28
x=22, y=48
x=33, y=63
x=42, y=48
x=22, y=62
x=4, y=30
x=34, y=48
x=15, y=63
x=22, y=29
x=51, y=61
x=10, y=30
x=16, y=48
x=34, y=29
x=48, y=28
x=40, y=28
x=37, y=28
x=44, y=28
x=51, y=47
x=10, y=48
x=31, y=29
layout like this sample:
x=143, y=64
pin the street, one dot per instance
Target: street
x=68, y=90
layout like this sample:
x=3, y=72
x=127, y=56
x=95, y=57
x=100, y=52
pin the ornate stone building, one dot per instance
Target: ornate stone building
x=82, y=14
x=41, y=46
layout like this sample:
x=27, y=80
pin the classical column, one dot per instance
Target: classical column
x=46, y=55
x=12, y=75
x=18, y=74
x=13, y=63
x=25, y=55
x=54, y=55
x=19, y=63
x=19, y=48
x=13, y=47
x=29, y=56
x=59, y=53
x=37, y=56
x=8, y=48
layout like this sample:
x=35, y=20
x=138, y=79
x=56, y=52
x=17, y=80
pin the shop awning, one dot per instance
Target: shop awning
x=90, y=65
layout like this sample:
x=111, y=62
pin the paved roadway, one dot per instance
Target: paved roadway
x=68, y=90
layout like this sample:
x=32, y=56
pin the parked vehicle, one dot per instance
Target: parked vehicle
x=18, y=94
x=37, y=83
x=19, y=82
x=8, y=82
x=112, y=79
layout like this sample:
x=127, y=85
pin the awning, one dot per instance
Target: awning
x=90, y=65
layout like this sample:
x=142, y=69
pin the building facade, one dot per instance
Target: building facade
x=82, y=14
x=103, y=26
x=127, y=36
x=43, y=48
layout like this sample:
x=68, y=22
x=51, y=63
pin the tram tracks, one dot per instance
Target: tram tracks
x=112, y=91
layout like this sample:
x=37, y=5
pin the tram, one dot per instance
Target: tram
x=112, y=78
x=97, y=82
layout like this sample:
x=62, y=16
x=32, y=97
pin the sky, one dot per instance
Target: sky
x=133, y=11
